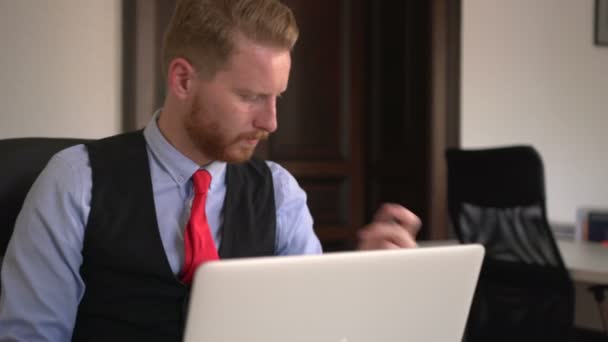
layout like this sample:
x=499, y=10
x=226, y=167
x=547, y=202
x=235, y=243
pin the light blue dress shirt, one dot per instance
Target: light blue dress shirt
x=41, y=283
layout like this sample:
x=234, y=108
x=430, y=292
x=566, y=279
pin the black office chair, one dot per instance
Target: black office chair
x=22, y=161
x=496, y=197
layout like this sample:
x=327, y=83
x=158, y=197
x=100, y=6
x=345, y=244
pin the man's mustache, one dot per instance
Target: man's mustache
x=257, y=135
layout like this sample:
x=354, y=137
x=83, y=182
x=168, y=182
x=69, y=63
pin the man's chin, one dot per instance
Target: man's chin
x=238, y=156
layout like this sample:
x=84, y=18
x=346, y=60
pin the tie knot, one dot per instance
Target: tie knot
x=201, y=180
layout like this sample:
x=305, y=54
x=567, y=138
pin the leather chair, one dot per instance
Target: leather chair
x=22, y=160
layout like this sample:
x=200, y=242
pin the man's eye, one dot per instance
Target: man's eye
x=251, y=97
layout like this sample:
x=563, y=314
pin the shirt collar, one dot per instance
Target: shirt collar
x=177, y=165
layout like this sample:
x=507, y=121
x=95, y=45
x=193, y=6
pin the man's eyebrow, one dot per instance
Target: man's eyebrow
x=258, y=93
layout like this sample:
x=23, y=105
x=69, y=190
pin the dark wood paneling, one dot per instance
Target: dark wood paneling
x=445, y=108
x=398, y=125
x=310, y=111
x=327, y=199
x=319, y=116
x=414, y=111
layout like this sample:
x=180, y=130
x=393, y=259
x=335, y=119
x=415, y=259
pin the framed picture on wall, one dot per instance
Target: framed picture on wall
x=601, y=22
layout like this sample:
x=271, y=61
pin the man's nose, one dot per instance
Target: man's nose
x=267, y=116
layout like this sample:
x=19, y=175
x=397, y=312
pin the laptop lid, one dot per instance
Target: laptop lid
x=421, y=294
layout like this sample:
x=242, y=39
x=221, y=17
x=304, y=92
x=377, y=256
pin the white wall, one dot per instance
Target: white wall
x=531, y=74
x=60, y=68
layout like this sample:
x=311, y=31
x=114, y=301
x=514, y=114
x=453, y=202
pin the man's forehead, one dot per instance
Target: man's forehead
x=263, y=71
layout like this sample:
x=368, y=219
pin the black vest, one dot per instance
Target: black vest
x=131, y=293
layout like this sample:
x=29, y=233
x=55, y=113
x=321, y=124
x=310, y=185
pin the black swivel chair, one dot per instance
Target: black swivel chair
x=496, y=197
x=22, y=161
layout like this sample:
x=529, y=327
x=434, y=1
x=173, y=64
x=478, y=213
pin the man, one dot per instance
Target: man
x=110, y=234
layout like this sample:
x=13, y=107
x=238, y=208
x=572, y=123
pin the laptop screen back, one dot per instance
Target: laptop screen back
x=421, y=294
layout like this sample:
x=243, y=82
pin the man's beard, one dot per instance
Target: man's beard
x=214, y=143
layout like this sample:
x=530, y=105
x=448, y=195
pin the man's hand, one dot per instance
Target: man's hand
x=393, y=227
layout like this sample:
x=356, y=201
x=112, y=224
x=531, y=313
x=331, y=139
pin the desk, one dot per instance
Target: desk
x=587, y=262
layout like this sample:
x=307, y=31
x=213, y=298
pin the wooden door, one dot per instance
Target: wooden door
x=319, y=116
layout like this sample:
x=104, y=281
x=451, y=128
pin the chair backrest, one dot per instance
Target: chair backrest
x=496, y=197
x=22, y=161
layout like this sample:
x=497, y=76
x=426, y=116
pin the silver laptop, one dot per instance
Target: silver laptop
x=421, y=294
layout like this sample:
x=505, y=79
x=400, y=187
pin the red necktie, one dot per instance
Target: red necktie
x=198, y=242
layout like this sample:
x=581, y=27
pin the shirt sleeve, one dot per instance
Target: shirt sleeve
x=40, y=280
x=295, y=233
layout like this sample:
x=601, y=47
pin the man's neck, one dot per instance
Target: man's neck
x=177, y=136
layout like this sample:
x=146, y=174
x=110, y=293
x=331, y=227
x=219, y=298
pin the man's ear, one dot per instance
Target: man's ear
x=180, y=78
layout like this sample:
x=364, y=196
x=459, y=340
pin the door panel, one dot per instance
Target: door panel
x=319, y=115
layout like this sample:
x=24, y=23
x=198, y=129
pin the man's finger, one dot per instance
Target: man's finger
x=391, y=232
x=367, y=245
x=396, y=213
